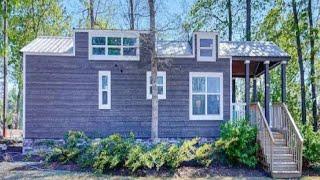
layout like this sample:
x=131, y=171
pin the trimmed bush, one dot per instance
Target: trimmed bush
x=204, y=154
x=238, y=143
x=75, y=144
x=115, y=150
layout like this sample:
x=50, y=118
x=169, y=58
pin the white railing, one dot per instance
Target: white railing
x=238, y=111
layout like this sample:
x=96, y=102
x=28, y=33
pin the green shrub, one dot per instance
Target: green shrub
x=137, y=158
x=75, y=144
x=238, y=143
x=172, y=156
x=311, y=145
x=158, y=156
x=162, y=155
x=204, y=154
x=114, y=152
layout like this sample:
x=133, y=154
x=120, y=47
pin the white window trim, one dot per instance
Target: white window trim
x=148, y=84
x=207, y=35
x=205, y=117
x=108, y=74
x=113, y=57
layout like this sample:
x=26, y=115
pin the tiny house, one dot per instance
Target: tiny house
x=99, y=82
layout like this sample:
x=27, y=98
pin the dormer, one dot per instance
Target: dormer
x=207, y=46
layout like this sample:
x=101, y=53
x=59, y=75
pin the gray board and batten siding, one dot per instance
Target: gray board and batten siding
x=62, y=95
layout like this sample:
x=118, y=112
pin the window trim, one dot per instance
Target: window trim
x=148, y=84
x=214, y=37
x=106, y=46
x=108, y=74
x=206, y=117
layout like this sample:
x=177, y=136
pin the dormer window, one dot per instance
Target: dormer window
x=113, y=46
x=207, y=46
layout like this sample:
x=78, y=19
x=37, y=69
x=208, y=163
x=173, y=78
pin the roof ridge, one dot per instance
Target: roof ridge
x=60, y=37
x=248, y=41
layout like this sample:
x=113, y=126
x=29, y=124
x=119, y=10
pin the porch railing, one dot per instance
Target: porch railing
x=238, y=111
x=285, y=124
x=264, y=136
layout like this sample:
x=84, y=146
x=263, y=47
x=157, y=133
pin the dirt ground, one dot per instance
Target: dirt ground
x=34, y=170
x=17, y=166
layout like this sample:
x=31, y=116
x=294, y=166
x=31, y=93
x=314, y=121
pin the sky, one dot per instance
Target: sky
x=170, y=14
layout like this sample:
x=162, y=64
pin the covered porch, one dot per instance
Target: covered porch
x=250, y=61
x=279, y=138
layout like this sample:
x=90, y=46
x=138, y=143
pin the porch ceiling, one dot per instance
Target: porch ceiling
x=256, y=66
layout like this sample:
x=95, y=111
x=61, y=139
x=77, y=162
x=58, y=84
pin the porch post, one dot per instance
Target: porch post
x=283, y=82
x=254, y=96
x=247, y=88
x=233, y=90
x=267, y=91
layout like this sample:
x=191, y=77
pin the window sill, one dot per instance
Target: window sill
x=149, y=97
x=206, y=118
x=105, y=58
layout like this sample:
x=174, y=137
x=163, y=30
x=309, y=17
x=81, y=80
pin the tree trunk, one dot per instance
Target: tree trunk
x=248, y=20
x=91, y=14
x=5, y=64
x=18, y=108
x=229, y=6
x=154, y=70
x=131, y=14
x=300, y=60
x=312, y=68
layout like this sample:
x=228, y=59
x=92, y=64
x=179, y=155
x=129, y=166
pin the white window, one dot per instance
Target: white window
x=161, y=84
x=206, y=96
x=113, y=46
x=104, y=90
x=206, y=46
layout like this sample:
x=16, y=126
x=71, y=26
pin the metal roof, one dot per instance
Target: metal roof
x=65, y=45
x=50, y=45
x=250, y=49
x=173, y=48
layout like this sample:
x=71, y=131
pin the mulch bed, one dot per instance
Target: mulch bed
x=182, y=172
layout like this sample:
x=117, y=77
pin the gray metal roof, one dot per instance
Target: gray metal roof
x=173, y=48
x=250, y=48
x=64, y=46
x=50, y=45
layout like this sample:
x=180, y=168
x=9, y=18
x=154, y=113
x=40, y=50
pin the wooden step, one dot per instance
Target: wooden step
x=282, y=158
x=285, y=166
x=281, y=150
x=286, y=174
x=280, y=142
x=277, y=135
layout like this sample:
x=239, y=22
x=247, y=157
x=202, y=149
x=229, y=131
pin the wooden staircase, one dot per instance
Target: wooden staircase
x=281, y=147
x=283, y=159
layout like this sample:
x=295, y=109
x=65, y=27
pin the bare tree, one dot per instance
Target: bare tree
x=154, y=71
x=229, y=6
x=131, y=14
x=312, y=34
x=300, y=60
x=5, y=65
x=92, y=22
x=248, y=20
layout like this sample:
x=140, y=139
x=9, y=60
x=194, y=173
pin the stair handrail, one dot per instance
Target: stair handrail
x=264, y=135
x=291, y=132
x=292, y=122
x=265, y=122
